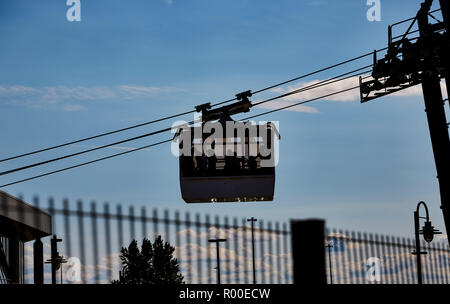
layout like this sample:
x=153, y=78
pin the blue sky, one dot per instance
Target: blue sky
x=359, y=166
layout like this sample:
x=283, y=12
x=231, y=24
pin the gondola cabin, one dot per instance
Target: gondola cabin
x=234, y=169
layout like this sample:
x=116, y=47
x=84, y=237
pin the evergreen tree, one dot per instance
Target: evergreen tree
x=153, y=264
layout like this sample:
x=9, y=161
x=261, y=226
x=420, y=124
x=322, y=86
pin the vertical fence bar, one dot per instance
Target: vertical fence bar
x=333, y=257
x=390, y=260
x=188, y=247
x=379, y=239
x=371, y=250
x=412, y=272
x=432, y=263
x=445, y=264
x=244, y=248
x=378, y=253
x=208, y=252
x=269, y=249
x=108, y=240
x=351, y=255
x=95, y=238
x=199, y=252
x=278, y=256
x=218, y=235
x=285, y=246
x=236, y=251
x=427, y=276
x=362, y=250
x=119, y=227
x=438, y=263
x=177, y=237
x=343, y=249
x=407, y=261
x=355, y=258
x=261, y=240
x=155, y=223
x=166, y=225
x=144, y=222
x=441, y=263
x=227, y=250
x=67, y=233
x=131, y=220
x=80, y=216
x=398, y=261
x=402, y=259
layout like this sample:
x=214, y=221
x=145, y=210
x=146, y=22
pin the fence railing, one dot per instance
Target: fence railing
x=94, y=234
x=358, y=258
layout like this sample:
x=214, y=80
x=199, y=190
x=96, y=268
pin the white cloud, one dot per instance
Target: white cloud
x=276, y=104
x=145, y=90
x=61, y=93
x=348, y=96
x=68, y=98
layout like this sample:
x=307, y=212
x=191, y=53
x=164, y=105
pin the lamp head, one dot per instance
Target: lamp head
x=428, y=232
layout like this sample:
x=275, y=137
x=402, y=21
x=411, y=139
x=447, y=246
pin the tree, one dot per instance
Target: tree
x=153, y=264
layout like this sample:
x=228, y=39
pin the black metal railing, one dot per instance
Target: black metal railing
x=94, y=235
x=358, y=258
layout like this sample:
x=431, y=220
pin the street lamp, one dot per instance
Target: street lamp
x=217, y=241
x=252, y=220
x=428, y=232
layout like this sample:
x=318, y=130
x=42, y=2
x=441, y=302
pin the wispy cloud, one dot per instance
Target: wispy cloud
x=75, y=98
x=135, y=90
x=348, y=96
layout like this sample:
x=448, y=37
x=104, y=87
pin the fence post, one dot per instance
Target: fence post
x=308, y=251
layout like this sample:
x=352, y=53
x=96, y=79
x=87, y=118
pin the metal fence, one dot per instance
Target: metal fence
x=360, y=258
x=95, y=234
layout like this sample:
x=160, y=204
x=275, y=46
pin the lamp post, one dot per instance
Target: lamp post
x=428, y=232
x=252, y=220
x=217, y=241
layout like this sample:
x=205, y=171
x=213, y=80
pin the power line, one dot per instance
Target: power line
x=193, y=111
x=85, y=163
x=180, y=114
x=95, y=136
x=318, y=85
x=169, y=140
x=300, y=103
x=92, y=149
x=311, y=87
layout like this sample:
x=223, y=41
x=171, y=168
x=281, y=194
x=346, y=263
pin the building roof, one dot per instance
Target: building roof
x=19, y=218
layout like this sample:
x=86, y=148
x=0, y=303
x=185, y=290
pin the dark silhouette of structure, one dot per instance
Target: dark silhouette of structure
x=21, y=223
x=308, y=250
x=426, y=62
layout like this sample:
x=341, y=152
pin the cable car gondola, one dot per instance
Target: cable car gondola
x=242, y=171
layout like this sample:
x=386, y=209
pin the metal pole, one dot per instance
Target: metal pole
x=418, y=252
x=38, y=265
x=445, y=9
x=434, y=107
x=217, y=241
x=252, y=220
x=218, y=263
